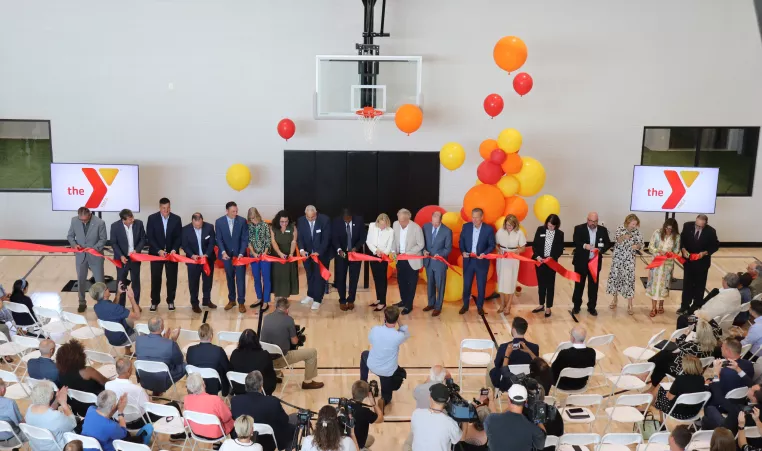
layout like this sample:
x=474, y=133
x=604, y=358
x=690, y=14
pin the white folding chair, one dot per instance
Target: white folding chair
x=204, y=419
x=737, y=393
x=757, y=297
x=162, y=426
x=625, y=410
x=15, y=307
x=277, y=351
x=6, y=427
x=706, y=362
x=266, y=429
x=116, y=328
x=637, y=354
x=121, y=445
x=581, y=404
x=14, y=388
x=26, y=346
x=55, y=324
x=39, y=437
x=690, y=399
x=551, y=441
x=475, y=357
x=672, y=338
x=599, y=342
x=628, y=379
x=228, y=337
x=15, y=348
x=238, y=378
x=31, y=382
x=190, y=336
x=619, y=441
x=156, y=368
x=519, y=369
x=700, y=440
x=580, y=440
x=83, y=333
x=83, y=397
x=658, y=441
x=142, y=329
x=726, y=322
x=206, y=373
x=745, y=349
x=107, y=362
x=87, y=442
x=574, y=373
x=550, y=357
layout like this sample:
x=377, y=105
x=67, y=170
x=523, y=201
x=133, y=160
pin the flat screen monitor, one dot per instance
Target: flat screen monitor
x=674, y=189
x=99, y=187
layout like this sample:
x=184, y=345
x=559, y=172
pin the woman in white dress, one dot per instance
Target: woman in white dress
x=379, y=242
x=510, y=239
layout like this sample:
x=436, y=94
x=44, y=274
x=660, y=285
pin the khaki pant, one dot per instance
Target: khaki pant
x=408, y=445
x=306, y=355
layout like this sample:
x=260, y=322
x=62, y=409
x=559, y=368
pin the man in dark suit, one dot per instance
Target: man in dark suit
x=697, y=238
x=588, y=238
x=232, y=235
x=198, y=241
x=207, y=355
x=578, y=356
x=511, y=353
x=348, y=236
x=266, y=409
x=732, y=372
x=479, y=239
x=128, y=236
x=314, y=238
x=164, y=237
x=438, y=238
x=160, y=346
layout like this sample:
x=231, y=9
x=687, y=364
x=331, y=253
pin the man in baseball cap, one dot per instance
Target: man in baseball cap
x=518, y=395
x=511, y=430
x=432, y=428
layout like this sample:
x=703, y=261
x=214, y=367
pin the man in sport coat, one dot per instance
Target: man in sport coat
x=348, y=236
x=700, y=239
x=408, y=239
x=588, y=238
x=163, y=230
x=128, y=236
x=232, y=235
x=314, y=237
x=198, y=241
x=87, y=231
x=438, y=238
x=479, y=239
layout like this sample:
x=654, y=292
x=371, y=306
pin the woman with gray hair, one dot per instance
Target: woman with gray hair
x=244, y=430
x=198, y=400
x=50, y=411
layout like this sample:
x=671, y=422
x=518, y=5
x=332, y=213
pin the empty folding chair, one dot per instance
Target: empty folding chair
x=238, y=378
x=619, y=441
x=189, y=337
x=265, y=429
x=206, y=373
x=637, y=354
x=83, y=333
x=228, y=337
x=658, y=441
x=577, y=409
x=579, y=440
x=550, y=357
x=54, y=324
x=475, y=357
x=142, y=329
x=14, y=388
x=670, y=343
x=165, y=426
x=39, y=438
x=121, y=445
x=116, y=328
x=87, y=442
x=26, y=346
x=625, y=410
x=275, y=350
x=207, y=420
x=574, y=373
x=700, y=440
x=145, y=366
x=628, y=379
x=690, y=399
x=15, y=348
x=6, y=427
x=599, y=342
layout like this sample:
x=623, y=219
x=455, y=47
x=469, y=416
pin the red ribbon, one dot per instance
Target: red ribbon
x=660, y=259
x=507, y=255
x=360, y=257
x=694, y=257
x=174, y=258
x=592, y=265
x=243, y=261
x=563, y=272
x=22, y=246
x=324, y=272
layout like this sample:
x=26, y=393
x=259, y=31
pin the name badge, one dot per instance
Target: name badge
x=288, y=231
x=318, y=231
x=600, y=244
x=207, y=237
x=542, y=236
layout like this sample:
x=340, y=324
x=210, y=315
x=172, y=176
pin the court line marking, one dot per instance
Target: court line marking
x=33, y=267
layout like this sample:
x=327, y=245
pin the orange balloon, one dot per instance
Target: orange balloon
x=512, y=163
x=408, y=118
x=516, y=206
x=510, y=53
x=486, y=148
x=487, y=197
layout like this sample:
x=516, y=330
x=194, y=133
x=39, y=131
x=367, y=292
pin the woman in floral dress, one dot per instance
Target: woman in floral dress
x=666, y=239
x=260, y=244
x=622, y=273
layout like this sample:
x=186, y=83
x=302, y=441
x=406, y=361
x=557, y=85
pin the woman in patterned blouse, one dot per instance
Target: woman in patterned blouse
x=670, y=361
x=260, y=244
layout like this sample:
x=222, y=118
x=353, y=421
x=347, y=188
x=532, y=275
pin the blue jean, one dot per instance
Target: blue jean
x=261, y=273
x=236, y=276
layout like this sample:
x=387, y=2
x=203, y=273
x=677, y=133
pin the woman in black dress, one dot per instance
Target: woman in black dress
x=20, y=289
x=691, y=380
x=74, y=373
x=548, y=242
x=249, y=356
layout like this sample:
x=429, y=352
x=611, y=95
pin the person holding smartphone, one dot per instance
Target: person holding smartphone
x=511, y=353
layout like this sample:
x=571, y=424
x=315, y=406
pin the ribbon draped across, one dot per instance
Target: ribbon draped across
x=563, y=272
x=508, y=255
x=359, y=257
x=592, y=265
x=660, y=259
x=174, y=258
x=243, y=261
x=22, y=246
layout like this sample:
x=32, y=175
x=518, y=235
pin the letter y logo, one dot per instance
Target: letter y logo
x=99, y=188
x=678, y=190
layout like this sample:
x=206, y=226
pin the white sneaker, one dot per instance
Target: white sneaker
x=307, y=300
x=316, y=305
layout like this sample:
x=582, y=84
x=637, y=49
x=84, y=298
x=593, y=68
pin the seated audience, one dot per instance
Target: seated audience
x=74, y=445
x=365, y=416
x=722, y=440
x=160, y=347
x=578, y=356
x=244, y=430
x=49, y=410
x=100, y=425
x=432, y=428
x=703, y=345
x=74, y=373
x=208, y=355
x=691, y=380
x=328, y=434
x=744, y=280
x=717, y=303
x=278, y=328
x=10, y=413
x=715, y=417
x=540, y=371
x=136, y=396
x=18, y=296
x=754, y=335
x=742, y=440
x=5, y=318
x=198, y=400
x=755, y=269
x=43, y=367
x=512, y=353
x=511, y=429
x=679, y=438
x=474, y=436
x=266, y=409
x=112, y=311
x=249, y=356
x=732, y=372
x=437, y=375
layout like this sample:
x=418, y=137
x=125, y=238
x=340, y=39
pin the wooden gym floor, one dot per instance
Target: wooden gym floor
x=340, y=337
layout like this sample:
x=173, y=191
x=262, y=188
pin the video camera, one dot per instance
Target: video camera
x=300, y=337
x=458, y=408
x=345, y=413
x=535, y=408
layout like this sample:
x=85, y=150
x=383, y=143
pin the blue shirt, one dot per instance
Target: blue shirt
x=164, y=221
x=103, y=429
x=475, y=238
x=109, y=311
x=43, y=368
x=9, y=411
x=754, y=336
x=385, y=349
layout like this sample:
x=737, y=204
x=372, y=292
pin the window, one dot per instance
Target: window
x=25, y=155
x=732, y=149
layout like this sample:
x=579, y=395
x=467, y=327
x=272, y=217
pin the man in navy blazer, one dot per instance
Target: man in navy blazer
x=128, y=236
x=314, y=238
x=163, y=234
x=348, y=236
x=438, y=238
x=479, y=239
x=198, y=241
x=207, y=355
x=232, y=234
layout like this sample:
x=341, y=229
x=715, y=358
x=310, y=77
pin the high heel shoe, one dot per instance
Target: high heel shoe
x=538, y=309
x=548, y=313
x=613, y=304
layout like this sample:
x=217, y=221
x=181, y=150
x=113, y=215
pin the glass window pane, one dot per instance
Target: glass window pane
x=25, y=155
x=669, y=146
x=734, y=151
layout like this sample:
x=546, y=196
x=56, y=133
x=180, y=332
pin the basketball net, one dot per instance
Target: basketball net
x=368, y=116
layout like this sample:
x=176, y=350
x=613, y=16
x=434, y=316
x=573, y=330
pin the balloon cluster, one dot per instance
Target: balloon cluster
x=510, y=53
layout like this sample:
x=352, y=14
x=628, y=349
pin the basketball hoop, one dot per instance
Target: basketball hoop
x=368, y=116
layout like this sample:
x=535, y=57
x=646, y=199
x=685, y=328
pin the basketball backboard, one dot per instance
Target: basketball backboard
x=389, y=82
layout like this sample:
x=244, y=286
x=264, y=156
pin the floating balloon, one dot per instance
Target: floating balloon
x=452, y=220
x=389, y=272
x=286, y=128
x=408, y=118
x=546, y=205
x=486, y=148
x=508, y=185
x=423, y=215
x=493, y=105
x=489, y=172
x=531, y=177
x=487, y=197
x=510, y=53
x=516, y=206
x=522, y=83
x=523, y=230
x=238, y=176
x=497, y=156
x=512, y=163
x=452, y=156
x=527, y=271
x=509, y=140
x=453, y=287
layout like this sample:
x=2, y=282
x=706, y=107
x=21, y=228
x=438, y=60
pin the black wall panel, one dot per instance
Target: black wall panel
x=362, y=180
x=299, y=181
x=330, y=182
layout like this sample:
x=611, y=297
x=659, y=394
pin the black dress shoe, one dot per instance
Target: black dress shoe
x=256, y=304
x=265, y=308
x=406, y=311
x=575, y=310
x=380, y=308
x=547, y=314
x=153, y=307
x=481, y=311
x=196, y=308
x=538, y=309
x=82, y=307
x=210, y=305
x=399, y=304
x=592, y=311
x=462, y=310
x=171, y=305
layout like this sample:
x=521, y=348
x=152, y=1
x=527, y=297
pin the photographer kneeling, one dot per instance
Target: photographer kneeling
x=511, y=429
x=364, y=416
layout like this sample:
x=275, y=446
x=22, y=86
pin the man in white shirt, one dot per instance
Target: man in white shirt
x=727, y=300
x=383, y=356
x=408, y=239
x=127, y=236
x=432, y=429
x=136, y=396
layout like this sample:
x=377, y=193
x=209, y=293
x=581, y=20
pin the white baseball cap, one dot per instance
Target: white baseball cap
x=517, y=393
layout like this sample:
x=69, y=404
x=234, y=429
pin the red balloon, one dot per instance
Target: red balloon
x=489, y=172
x=522, y=83
x=423, y=215
x=286, y=128
x=493, y=105
x=497, y=156
x=466, y=216
x=527, y=271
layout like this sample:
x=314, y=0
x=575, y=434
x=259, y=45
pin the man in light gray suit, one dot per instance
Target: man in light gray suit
x=408, y=239
x=438, y=242
x=87, y=231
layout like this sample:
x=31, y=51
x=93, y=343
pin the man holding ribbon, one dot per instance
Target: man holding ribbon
x=348, y=236
x=198, y=241
x=590, y=242
x=314, y=238
x=476, y=240
x=87, y=231
x=163, y=230
x=232, y=234
x=438, y=238
x=408, y=241
x=127, y=237
x=698, y=242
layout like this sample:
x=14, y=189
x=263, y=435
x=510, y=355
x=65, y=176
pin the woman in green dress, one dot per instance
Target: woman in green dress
x=666, y=239
x=285, y=276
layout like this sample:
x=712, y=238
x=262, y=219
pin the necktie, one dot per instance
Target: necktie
x=230, y=226
x=698, y=234
x=86, y=226
x=349, y=237
x=312, y=229
x=434, y=235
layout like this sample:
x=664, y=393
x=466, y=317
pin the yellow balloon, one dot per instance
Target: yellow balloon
x=452, y=156
x=546, y=205
x=453, y=287
x=508, y=185
x=499, y=223
x=531, y=177
x=509, y=140
x=478, y=182
x=452, y=220
x=238, y=176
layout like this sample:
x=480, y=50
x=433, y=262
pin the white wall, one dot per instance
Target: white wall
x=603, y=69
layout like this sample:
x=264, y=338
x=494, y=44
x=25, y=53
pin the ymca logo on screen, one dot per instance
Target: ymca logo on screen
x=676, y=181
x=97, y=177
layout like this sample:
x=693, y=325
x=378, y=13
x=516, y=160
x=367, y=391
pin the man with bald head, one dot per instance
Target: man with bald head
x=160, y=346
x=44, y=367
x=590, y=239
x=314, y=238
x=578, y=356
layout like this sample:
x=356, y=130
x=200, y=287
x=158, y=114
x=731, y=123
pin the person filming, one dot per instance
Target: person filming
x=328, y=434
x=365, y=413
x=511, y=429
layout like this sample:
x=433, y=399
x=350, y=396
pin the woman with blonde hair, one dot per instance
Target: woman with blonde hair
x=622, y=273
x=691, y=380
x=666, y=239
x=379, y=241
x=244, y=430
x=260, y=243
x=510, y=239
x=670, y=360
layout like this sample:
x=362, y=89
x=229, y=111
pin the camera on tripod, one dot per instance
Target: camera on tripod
x=345, y=413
